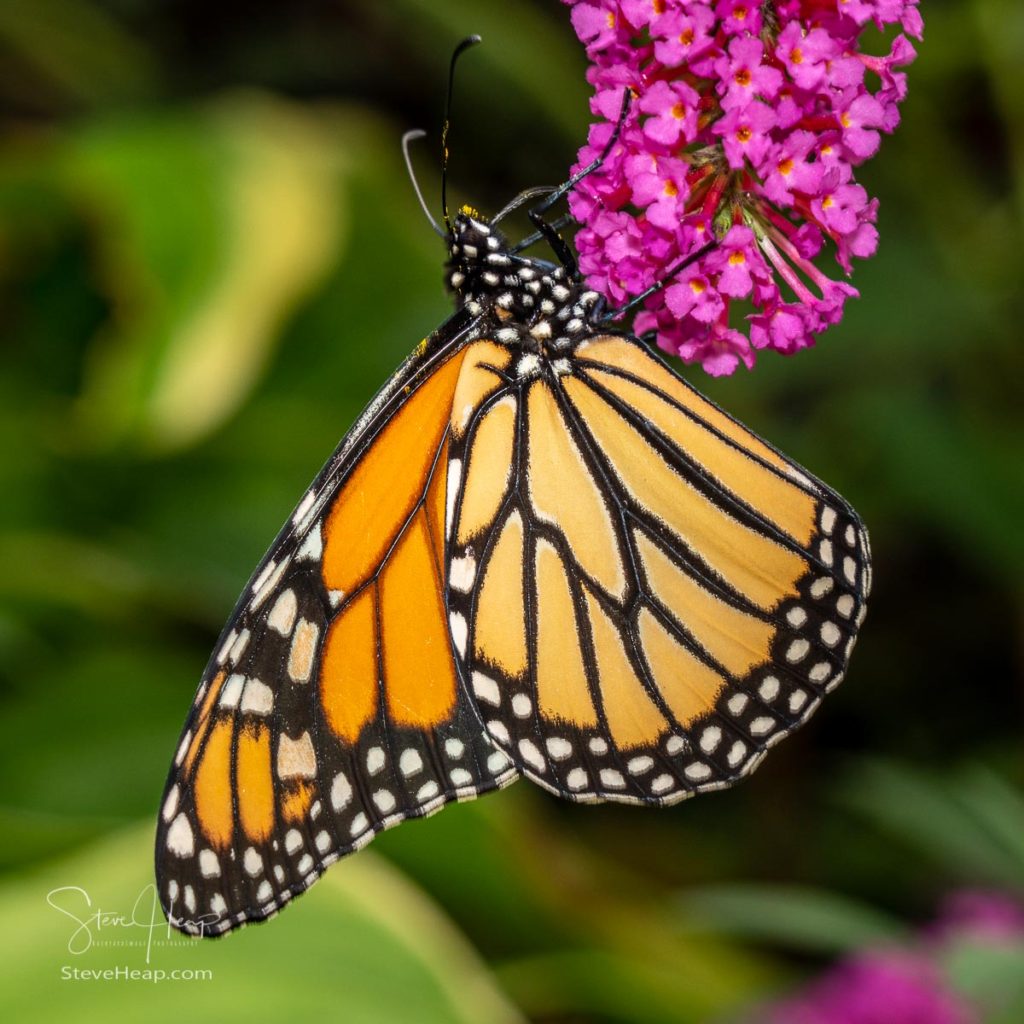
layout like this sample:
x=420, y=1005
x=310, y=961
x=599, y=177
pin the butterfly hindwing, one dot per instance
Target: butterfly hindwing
x=647, y=595
x=331, y=707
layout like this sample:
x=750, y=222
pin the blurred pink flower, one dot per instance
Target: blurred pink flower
x=746, y=117
x=907, y=985
x=981, y=914
x=877, y=988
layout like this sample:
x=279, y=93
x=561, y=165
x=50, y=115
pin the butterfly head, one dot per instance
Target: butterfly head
x=479, y=255
x=531, y=300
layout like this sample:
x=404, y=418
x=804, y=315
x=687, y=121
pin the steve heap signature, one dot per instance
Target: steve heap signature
x=91, y=922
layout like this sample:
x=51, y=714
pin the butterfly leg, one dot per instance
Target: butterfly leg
x=680, y=265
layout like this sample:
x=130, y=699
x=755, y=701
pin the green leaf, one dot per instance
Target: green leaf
x=363, y=946
x=216, y=224
x=536, y=52
x=78, y=47
x=939, y=819
x=990, y=972
x=686, y=985
x=806, y=919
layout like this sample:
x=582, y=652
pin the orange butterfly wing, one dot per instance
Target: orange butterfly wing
x=648, y=595
x=331, y=709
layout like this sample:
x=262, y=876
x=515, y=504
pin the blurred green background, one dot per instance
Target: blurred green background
x=210, y=258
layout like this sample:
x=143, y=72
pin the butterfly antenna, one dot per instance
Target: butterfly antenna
x=412, y=136
x=459, y=50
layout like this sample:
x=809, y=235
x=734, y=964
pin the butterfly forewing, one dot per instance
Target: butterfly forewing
x=647, y=595
x=331, y=709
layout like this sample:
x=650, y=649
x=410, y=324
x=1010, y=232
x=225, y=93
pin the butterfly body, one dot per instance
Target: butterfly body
x=538, y=552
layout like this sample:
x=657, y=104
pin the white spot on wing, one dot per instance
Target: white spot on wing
x=662, y=784
x=264, y=590
x=170, y=804
x=385, y=800
x=296, y=758
x=282, y=614
x=180, y=840
x=182, y=748
x=532, y=756
x=258, y=698
x=459, y=631
x=304, y=506
x=341, y=792
x=521, y=705
x=486, y=688
x=209, y=865
x=462, y=573
x=375, y=760
x=737, y=702
x=736, y=753
x=675, y=744
x=710, y=738
x=226, y=646
x=498, y=731
x=238, y=647
x=797, y=651
x=558, y=747
x=232, y=691
x=312, y=547
x=303, y=651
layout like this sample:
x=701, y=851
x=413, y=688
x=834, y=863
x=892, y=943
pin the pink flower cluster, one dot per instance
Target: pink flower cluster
x=746, y=122
x=911, y=984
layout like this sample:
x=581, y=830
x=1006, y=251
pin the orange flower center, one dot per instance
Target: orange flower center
x=786, y=168
x=796, y=55
x=844, y=120
x=679, y=111
x=743, y=135
x=686, y=36
x=670, y=188
x=737, y=258
x=658, y=6
x=743, y=77
x=697, y=286
x=827, y=202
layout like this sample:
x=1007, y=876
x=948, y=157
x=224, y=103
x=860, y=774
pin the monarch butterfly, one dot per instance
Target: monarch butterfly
x=538, y=552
